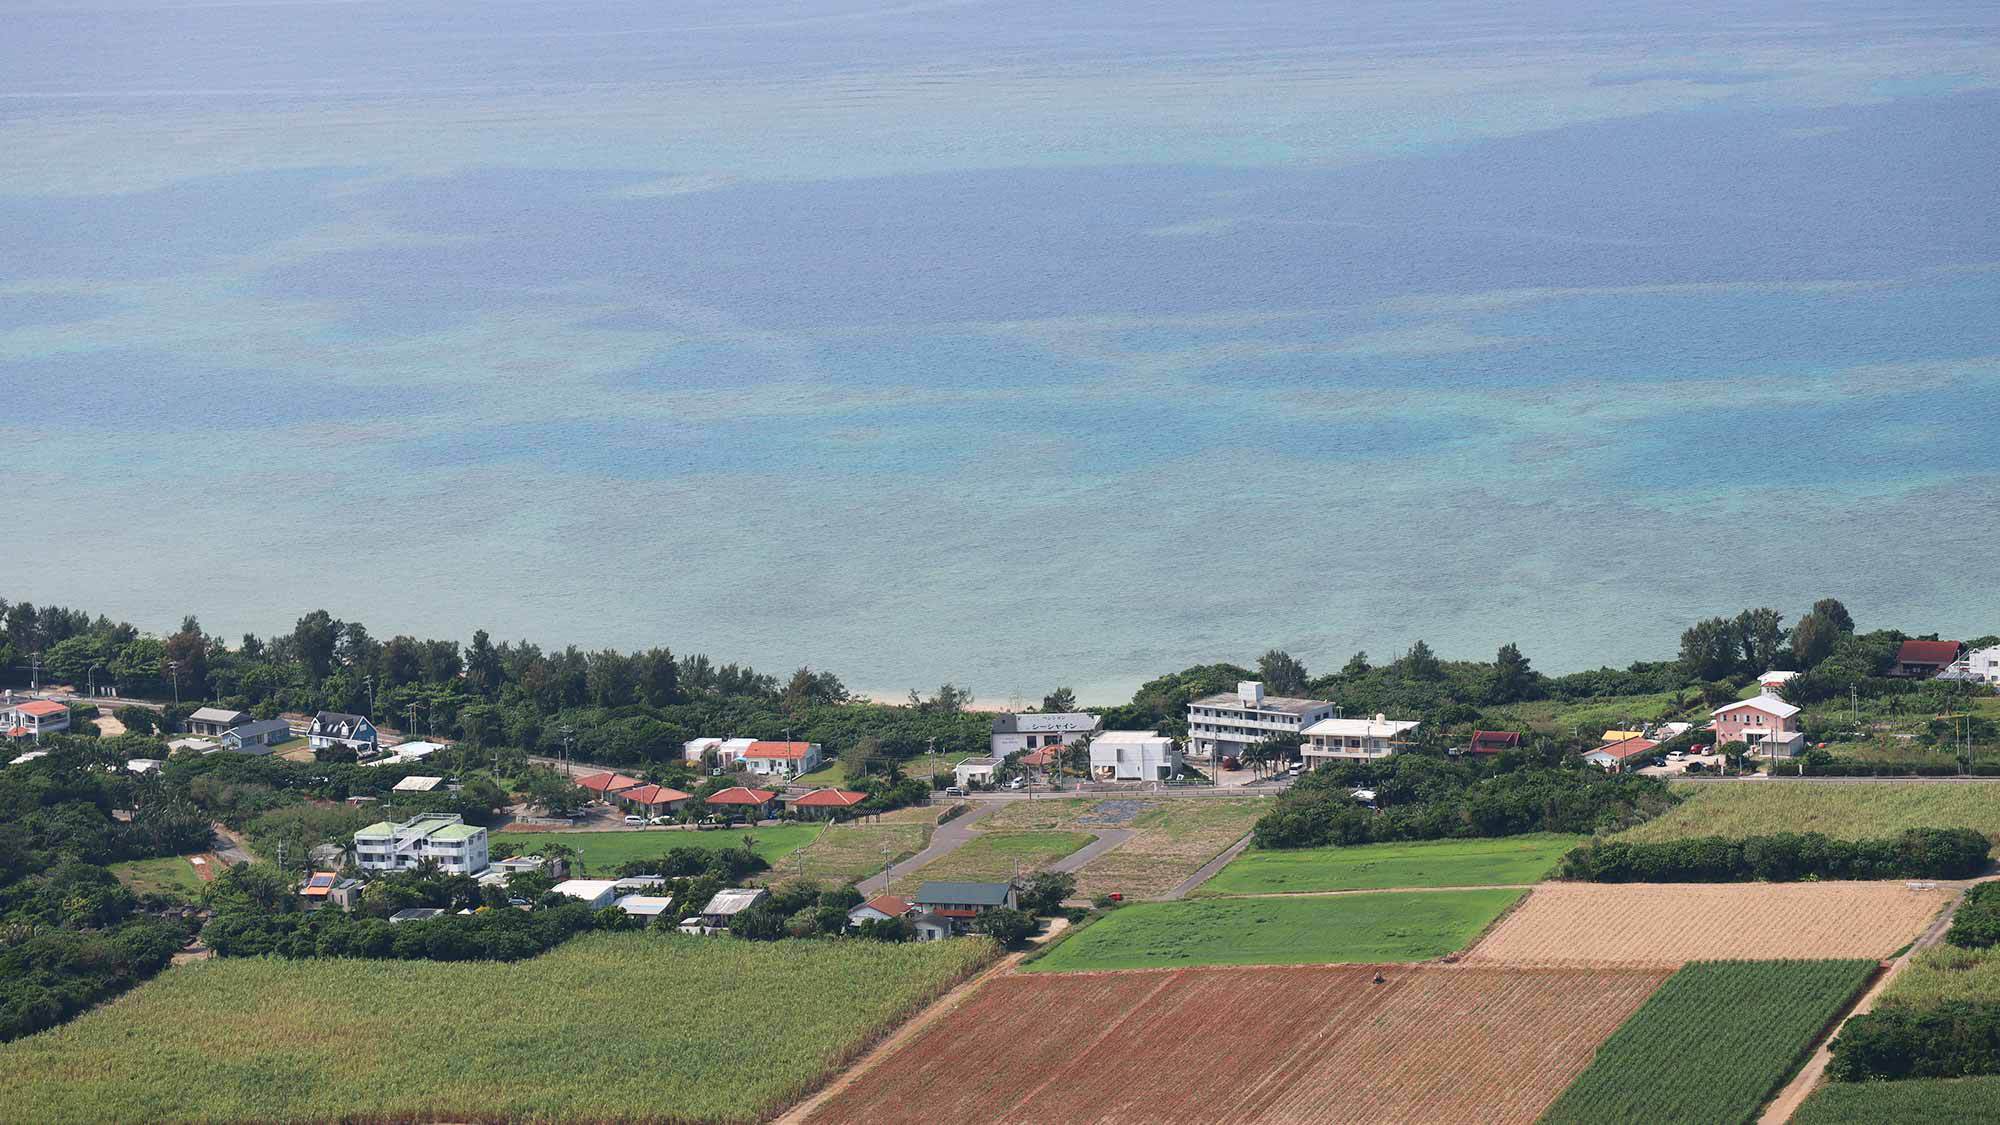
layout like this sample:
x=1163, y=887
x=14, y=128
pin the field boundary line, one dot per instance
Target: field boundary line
x=1209, y=869
x=1456, y=955
x=843, y=1077
x=1794, y=1093
x=1390, y=891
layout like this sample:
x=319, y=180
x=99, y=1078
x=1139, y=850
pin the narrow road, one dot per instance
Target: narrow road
x=1107, y=838
x=949, y=837
x=1207, y=870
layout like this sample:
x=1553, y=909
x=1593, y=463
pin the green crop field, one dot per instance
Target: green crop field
x=629, y=1027
x=1713, y=1044
x=996, y=856
x=1945, y=972
x=848, y=852
x=1916, y=1101
x=1428, y=863
x=1351, y=929
x=172, y=875
x=602, y=851
x=1846, y=812
x=1591, y=716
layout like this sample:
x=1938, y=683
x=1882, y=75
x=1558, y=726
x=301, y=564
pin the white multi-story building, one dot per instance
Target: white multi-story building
x=1981, y=664
x=1014, y=733
x=1220, y=726
x=1355, y=740
x=458, y=847
x=1133, y=755
x=728, y=751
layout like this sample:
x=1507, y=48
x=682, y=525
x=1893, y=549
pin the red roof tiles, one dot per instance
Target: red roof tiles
x=895, y=906
x=1630, y=748
x=608, y=782
x=1494, y=741
x=1928, y=652
x=741, y=795
x=653, y=795
x=792, y=750
x=830, y=799
x=42, y=709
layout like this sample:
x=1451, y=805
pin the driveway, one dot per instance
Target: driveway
x=949, y=837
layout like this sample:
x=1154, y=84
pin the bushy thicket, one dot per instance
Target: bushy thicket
x=1917, y=853
x=1819, y=763
x=1977, y=923
x=1954, y=1039
x=52, y=976
x=488, y=934
x=1422, y=797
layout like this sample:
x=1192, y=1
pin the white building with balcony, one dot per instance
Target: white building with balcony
x=1221, y=726
x=1133, y=755
x=1355, y=740
x=458, y=847
x=1036, y=729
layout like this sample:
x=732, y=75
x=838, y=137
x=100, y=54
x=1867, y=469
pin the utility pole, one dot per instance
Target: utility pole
x=34, y=671
x=932, y=788
x=568, y=732
x=176, y=666
x=369, y=683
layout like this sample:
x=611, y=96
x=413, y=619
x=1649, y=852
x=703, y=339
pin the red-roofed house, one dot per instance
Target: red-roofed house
x=757, y=804
x=605, y=784
x=1620, y=756
x=34, y=718
x=1043, y=758
x=654, y=800
x=827, y=802
x=1921, y=660
x=881, y=908
x=787, y=759
x=1493, y=741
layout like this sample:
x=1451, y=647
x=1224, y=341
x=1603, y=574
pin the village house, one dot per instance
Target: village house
x=257, y=736
x=1134, y=755
x=1982, y=665
x=1014, y=733
x=34, y=719
x=781, y=759
x=715, y=916
x=1617, y=757
x=881, y=908
x=1493, y=741
x=1772, y=682
x=826, y=804
x=417, y=783
x=594, y=893
x=752, y=804
x=212, y=721
x=1223, y=725
x=327, y=888
x=1920, y=660
x=459, y=848
x=1766, y=725
x=607, y=785
x=975, y=771
x=1355, y=740
x=337, y=728
x=645, y=906
x=959, y=903
x=652, y=800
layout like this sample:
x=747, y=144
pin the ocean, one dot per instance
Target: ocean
x=1013, y=345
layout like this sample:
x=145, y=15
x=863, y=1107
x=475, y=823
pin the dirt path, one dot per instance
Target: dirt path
x=938, y=1009
x=1808, y=1078
x=1207, y=870
x=949, y=837
x=1107, y=838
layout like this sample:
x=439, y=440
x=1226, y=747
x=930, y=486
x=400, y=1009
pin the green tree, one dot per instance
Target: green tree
x=1420, y=663
x=1282, y=673
x=1044, y=891
x=1813, y=639
x=483, y=673
x=1513, y=680
x=859, y=758
x=1060, y=700
x=1008, y=927
x=1709, y=649
x=1760, y=632
x=1357, y=665
x=1835, y=613
x=314, y=637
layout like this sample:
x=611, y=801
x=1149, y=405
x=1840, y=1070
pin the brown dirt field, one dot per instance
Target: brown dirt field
x=1668, y=924
x=1171, y=837
x=1319, y=1043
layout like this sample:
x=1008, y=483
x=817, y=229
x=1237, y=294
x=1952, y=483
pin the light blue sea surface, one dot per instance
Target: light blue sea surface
x=1013, y=344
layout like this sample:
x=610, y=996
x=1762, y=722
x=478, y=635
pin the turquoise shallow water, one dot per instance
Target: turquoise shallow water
x=1012, y=344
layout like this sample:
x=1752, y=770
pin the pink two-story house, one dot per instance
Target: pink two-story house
x=1769, y=725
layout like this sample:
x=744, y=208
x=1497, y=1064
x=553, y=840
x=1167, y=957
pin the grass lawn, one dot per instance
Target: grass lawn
x=1592, y=716
x=1944, y=973
x=845, y=853
x=1428, y=863
x=1846, y=812
x=565, y=1036
x=833, y=775
x=995, y=856
x=1172, y=837
x=1712, y=1045
x=171, y=875
x=602, y=851
x=1356, y=929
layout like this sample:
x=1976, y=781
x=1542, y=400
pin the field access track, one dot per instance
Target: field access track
x=1668, y=924
x=1270, y=1044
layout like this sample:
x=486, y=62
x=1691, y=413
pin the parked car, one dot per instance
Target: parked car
x=661, y=820
x=1231, y=764
x=1677, y=755
x=635, y=820
x=954, y=791
x=1016, y=783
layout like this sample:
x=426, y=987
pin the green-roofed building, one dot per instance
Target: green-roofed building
x=456, y=846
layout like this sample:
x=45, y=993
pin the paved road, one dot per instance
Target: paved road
x=1208, y=870
x=1107, y=838
x=949, y=837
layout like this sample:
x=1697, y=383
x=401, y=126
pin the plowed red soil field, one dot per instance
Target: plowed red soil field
x=1281, y=1044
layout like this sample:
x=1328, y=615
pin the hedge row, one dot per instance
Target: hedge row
x=487, y=935
x=1977, y=923
x=1918, y=853
x=1856, y=767
x=1956, y=1039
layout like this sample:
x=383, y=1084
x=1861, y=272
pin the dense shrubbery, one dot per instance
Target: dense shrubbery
x=52, y=976
x=1426, y=798
x=484, y=935
x=1954, y=1039
x=1918, y=853
x=1977, y=923
x=1819, y=763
